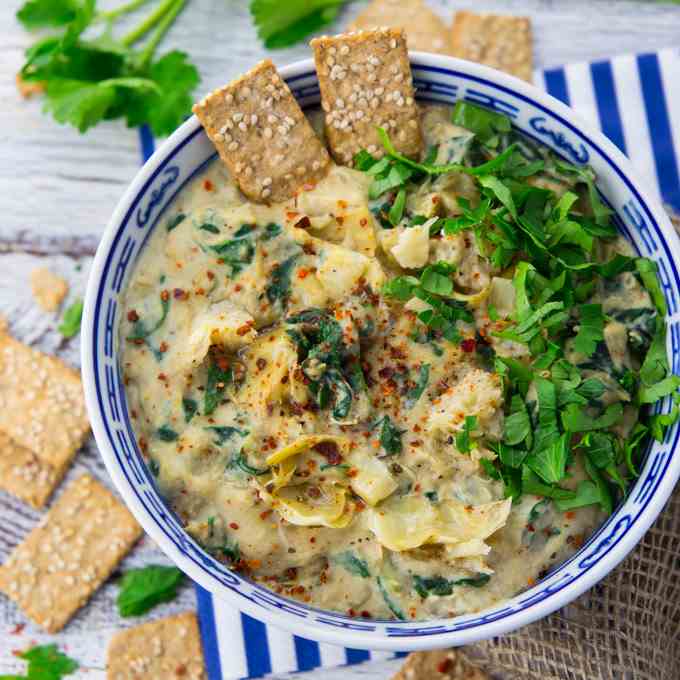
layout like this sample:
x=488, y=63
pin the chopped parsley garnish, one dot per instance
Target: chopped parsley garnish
x=175, y=221
x=464, y=441
x=142, y=589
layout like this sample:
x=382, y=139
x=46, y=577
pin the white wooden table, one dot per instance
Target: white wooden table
x=58, y=188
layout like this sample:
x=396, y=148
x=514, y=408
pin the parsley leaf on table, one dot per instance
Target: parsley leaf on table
x=91, y=79
x=45, y=662
x=44, y=13
x=70, y=324
x=281, y=24
x=142, y=589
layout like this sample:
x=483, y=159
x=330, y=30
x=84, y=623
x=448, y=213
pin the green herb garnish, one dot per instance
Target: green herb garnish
x=142, y=589
x=70, y=323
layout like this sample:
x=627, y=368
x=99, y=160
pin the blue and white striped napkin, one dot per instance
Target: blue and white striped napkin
x=635, y=100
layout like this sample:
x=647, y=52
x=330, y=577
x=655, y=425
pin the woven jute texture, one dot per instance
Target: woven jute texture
x=625, y=628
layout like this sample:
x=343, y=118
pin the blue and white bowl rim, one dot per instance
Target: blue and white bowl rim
x=437, y=78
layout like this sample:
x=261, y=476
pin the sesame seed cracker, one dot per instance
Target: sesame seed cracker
x=444, y=664
x=425, y=30
x=365, y=81
x=254, y=120
x=42, y=406
x=502, y=42
x=25, y=475
x=69, y=554
x=48, y=289
x=159, y=650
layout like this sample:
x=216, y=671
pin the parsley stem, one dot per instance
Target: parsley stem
x=160, y=31
x=113, y=14
x=147, y=24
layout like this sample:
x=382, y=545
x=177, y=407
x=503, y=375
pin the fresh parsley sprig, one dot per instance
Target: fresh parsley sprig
x=90, y=79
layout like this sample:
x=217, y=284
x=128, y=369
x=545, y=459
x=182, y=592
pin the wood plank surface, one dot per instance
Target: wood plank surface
x=59, y=188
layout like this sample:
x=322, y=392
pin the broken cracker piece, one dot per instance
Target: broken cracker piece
x=365, y=81
x=158, y=650
x=48, y=289
x=25, y=475
x=42, y=406
x=444, y=664
x=262, y=135
x=502, y=42
x=425, y=30
x=80, y=541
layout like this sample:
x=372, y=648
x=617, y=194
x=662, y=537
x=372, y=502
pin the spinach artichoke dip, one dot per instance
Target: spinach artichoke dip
x=409, y=390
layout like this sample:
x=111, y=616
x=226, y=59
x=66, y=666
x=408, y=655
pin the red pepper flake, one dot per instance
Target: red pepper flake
x=132, y=316
x=199, y=291
x=181, y=670
x=261, y=363
x=468, y=345
x=363, y=221
x=303, y=223
x=233, y=525
x=243, y=329
x=165, y=295
x=265, y=514
x=351, y=612
x=302, y=273
x=339, y=219
x=210, y=275
x=18, y=629
x=138, y=341
x=208, y=185
x=312, y=539
x=352, y=472
x=238, y=288
x=143, y=445
x=570, y=515
x=329, y=450
x=314, y=492
x=162, y=376
x=342, y=204
x=308, y=249
x=222, y=363
x=445, y=665
x=163, y=347
x=530, y=527
x=366, y=614
x=179, y=294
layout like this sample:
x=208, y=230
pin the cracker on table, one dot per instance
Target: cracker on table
x=502, y=42
x=262, y=135
x=425, y=30
x=42, y=406
x=439, y=664
x=365, y=82
x=48, y=289
x=25, y=475
x=73, y=550
x=160, y=650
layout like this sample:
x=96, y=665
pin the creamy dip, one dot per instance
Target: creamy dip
x=317, y=435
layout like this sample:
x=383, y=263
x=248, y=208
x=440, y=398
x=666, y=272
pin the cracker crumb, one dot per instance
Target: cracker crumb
x=49, y=290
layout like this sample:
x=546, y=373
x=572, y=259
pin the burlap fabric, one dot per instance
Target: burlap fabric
x=625, y=628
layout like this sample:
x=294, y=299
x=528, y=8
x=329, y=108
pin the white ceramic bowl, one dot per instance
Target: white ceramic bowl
x=186, y=152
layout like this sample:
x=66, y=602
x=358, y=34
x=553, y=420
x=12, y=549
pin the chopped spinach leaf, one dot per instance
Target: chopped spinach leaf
x=278, y=289
x=175, y=221
x=416, y=392
x=464, y=441
x=390, y=436
x=225, y=433
x=271, y=231
x=218, y=379
x=190, y=408
x=353, y=564
x=142, y=589
x=391, y=604
x=167, y=434
x=591, y=329
x=440, y=586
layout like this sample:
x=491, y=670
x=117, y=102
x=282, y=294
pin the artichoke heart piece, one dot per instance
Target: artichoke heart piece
x=296, y=506
x=407, y=523
x=269, y=360
x=372, y=480
x=305, y=443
